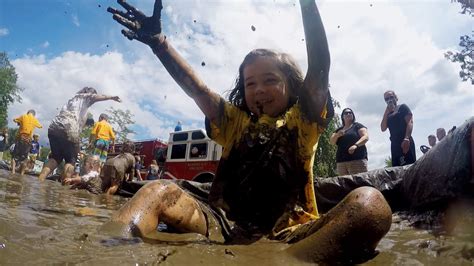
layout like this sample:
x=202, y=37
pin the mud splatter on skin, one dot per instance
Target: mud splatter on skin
x=253, y=28
x=172, y=197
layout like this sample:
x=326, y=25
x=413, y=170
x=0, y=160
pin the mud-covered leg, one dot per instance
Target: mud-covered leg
x=13, y=165
x=23, y=166
x=161, y=201
x=349, y=232
x=67, y=172
x=50, y=166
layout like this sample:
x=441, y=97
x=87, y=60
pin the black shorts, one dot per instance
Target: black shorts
x=22, y=148
x=62, y=148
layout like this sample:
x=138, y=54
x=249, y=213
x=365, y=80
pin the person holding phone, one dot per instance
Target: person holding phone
x=399, y=120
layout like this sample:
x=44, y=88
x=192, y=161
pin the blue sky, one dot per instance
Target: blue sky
x=58, y=47
x=65, y=25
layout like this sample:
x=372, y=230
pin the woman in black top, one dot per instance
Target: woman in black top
x=399, y=120
x=351, y=156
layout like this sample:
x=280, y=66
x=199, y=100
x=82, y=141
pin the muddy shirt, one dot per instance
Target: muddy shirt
x=265, y=176
x=72, y=117
x=91, y=182
x=114, y=170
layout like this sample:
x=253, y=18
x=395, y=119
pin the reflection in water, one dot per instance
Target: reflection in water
x=47, y=223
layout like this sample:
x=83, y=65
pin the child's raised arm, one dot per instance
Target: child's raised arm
x=148, y=30
x=315, y=92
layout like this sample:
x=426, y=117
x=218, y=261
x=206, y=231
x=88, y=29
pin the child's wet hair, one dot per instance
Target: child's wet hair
x=94, y=160
x=286, y=64
x=87, y=90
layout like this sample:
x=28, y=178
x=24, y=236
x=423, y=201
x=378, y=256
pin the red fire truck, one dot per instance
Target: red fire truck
x=189, y=155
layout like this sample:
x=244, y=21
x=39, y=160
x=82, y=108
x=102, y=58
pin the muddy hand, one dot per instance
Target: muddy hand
x=139, y=27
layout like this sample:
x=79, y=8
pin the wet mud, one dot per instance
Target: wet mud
x=46, y=223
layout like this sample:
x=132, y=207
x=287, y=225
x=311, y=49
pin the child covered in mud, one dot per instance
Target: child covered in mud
x=269, y=129
x=90, y=179
x=118, y=169
x=108, y=179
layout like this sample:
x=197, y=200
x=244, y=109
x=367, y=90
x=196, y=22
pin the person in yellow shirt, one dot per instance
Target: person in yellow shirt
x=102, y=136
x=27, y=123
x=269, y=130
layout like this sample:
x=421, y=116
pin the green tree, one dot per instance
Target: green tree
x=86, y=131
x=12, y=132
x=466, y=56
x=44, y=152
x=325, y=162
x=9, y=90
x=388, y=162
x=121, y=120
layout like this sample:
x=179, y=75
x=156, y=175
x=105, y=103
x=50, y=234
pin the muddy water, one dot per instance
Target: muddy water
x=46, y=223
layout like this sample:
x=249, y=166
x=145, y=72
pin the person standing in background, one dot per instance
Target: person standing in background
x=102, y=136
x=27, y=123
x=35, y=148
x=351, y=155
x=440, y=133
x=3, y=142
x=178, y=127
x=431, y=140
x=138, y=168
x=399, y=120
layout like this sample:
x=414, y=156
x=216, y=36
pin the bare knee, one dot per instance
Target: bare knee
x=370, y=209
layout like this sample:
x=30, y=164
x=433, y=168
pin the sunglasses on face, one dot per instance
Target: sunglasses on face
x=389, y=98
x=347, y=113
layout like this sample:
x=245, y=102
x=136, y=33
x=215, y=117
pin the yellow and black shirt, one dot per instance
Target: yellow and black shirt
x=265, y=176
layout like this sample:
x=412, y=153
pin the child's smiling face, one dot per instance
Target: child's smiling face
x=266, y=90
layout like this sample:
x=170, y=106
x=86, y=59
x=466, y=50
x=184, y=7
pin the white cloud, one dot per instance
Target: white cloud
x=3, y=32
x=373, y=48
x=75, y=20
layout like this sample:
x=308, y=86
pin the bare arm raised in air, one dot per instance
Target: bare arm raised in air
x=99, y=98
x=148, y=30
x=315, y=92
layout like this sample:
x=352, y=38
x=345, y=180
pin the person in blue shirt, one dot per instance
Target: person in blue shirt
x=35, y=148
x=178, y=127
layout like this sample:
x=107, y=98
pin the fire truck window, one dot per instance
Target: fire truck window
x=180, y=136
x=178, y=151
x=198, y=150
x=198, y=135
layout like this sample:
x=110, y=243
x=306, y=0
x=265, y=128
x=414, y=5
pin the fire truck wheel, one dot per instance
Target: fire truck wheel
x=204, y=178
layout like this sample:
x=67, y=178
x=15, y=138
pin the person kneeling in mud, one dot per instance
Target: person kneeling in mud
x=118, y=169
x=90, y=179
x=111, y=176
x=269, y=130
